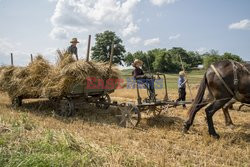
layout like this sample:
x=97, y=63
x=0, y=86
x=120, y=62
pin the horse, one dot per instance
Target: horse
x=224, y=80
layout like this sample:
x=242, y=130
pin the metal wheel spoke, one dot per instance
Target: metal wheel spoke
x=130, y=121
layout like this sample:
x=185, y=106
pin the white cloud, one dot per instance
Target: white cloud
x=59, y=33
x=174, y=37
x=134, y=40
x=130, y=29
x=153, y=41
x=161, y=2
x=93, y=17
x=242, y=25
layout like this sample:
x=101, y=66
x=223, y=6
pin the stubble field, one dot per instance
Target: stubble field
x=34, y=136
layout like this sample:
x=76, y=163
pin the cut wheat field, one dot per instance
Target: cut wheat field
x=33, y=135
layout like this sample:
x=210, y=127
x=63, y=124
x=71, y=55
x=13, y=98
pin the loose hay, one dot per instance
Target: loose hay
x=41, y=79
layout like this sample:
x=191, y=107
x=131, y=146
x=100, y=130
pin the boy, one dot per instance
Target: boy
x=182, y=87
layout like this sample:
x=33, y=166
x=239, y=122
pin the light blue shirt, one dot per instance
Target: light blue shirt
x=180, y=82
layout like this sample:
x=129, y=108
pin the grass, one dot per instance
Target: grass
x=34, y=136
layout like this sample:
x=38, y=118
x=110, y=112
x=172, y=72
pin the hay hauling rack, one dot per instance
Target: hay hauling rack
x=129, y=113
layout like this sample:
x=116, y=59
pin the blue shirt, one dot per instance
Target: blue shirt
x=180, y=82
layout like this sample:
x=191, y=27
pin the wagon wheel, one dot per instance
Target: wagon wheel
x=103, y=102
x=16, y=102
x=67, y=107
x=130, y=116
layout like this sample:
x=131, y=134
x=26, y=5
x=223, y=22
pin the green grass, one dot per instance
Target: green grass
x=25, y=147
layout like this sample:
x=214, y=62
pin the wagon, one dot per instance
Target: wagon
x=67, y=104
x=129, y=114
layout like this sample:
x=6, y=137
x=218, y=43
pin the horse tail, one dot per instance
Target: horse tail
x=200, y=94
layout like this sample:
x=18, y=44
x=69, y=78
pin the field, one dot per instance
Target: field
x=34, y=136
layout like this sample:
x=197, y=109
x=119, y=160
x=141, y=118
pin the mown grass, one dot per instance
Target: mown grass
x=24, y=144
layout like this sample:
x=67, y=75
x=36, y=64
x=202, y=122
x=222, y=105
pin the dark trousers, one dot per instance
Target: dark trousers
x=182, y=95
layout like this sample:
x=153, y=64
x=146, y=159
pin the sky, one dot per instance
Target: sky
x=43, y=26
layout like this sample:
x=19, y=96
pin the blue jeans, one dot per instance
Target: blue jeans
x=149, y=83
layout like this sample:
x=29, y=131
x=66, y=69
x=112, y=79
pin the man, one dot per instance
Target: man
x=139, y=75
x=72, y=49
x=182, y=87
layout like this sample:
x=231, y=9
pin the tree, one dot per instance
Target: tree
x=129, y=59
x=211, y=57
x=230, y=56
x=147, y=61
x=102, y=48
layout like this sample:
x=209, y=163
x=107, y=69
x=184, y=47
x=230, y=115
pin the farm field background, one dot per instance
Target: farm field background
x=34, y=136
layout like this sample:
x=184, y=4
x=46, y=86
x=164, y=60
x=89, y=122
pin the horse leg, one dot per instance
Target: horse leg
x=228, y=120
x=210, y=110
x=191, y=117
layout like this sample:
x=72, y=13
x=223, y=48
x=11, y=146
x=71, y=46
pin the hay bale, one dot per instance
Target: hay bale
x=40, y=78
x=69, y=72
x=25, y=81
x=5, y=77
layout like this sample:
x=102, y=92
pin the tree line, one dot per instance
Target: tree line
x=155, y=60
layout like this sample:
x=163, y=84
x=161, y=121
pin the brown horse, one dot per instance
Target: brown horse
x=225, y=80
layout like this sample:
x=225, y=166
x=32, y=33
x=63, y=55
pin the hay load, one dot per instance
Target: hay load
x=70, y=72
x=40, y=78
x=25, y=81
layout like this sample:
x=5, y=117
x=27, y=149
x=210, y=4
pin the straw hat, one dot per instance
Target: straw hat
x=137, y=61
x=181, y=73
x=74, y=40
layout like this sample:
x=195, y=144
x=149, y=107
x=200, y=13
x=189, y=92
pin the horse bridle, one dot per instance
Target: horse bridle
x=236, y=80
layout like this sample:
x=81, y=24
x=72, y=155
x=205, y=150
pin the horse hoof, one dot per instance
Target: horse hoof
x=231, y=126
x=215, y=136
x=185, y=130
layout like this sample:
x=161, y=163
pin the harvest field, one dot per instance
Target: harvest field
x=34, y=136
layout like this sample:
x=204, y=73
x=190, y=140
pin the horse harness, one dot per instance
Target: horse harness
x=236, y=80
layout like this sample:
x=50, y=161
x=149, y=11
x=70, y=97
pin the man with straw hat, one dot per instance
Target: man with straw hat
x=182, y=87
x=72, y=49
x=139, y=75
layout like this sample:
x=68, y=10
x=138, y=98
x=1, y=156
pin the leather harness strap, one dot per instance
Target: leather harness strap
x=236, y=81
x=220, y=78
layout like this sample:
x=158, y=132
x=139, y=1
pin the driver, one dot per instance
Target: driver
x=139, y=76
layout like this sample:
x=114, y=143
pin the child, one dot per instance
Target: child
x=182, y=87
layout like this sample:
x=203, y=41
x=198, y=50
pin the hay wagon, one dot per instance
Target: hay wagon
x=129, y=114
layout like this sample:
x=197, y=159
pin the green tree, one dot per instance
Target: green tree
x=102, y=48
x=230, y=56
x=176, y=53
x=129, y=59
x=211, y=57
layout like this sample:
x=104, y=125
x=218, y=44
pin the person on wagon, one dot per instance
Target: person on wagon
x=141, y=77
x=72, y=49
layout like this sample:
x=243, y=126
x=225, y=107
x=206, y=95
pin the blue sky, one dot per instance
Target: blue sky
x=42, y=26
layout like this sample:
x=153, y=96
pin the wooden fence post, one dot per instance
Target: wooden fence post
x=88, y=49
x=11, y=58
x=31, y=57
